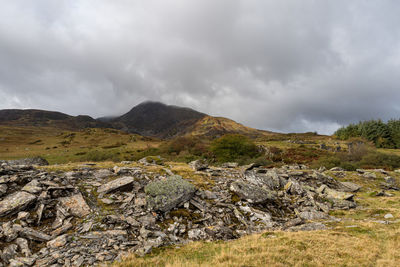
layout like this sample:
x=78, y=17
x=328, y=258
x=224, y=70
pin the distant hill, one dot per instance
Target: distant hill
x=44, y=118
x=209, y=126
x=151, y=119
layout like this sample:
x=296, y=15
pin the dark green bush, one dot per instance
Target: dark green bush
x=234, y=147
x=369, y=160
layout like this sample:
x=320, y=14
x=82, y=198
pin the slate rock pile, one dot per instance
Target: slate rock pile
x=89, y=216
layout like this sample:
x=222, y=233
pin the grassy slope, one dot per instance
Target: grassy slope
x=60, y=146
x=356, y=240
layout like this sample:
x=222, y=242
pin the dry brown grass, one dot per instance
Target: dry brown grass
x=357, y=240
x=341, y=246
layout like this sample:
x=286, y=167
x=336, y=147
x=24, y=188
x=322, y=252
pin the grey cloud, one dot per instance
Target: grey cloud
x=279, y=65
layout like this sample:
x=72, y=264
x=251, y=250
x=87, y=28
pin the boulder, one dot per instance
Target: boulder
x=198, y=165
x=350, y=187
x=76, y=204
x=15, y=202
x=252, y=193
x=120, y=184
x=167, y=194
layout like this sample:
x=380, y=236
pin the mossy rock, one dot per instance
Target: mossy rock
x=170, y=193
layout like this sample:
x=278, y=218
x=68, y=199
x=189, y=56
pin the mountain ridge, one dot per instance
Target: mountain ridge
x=149, y=118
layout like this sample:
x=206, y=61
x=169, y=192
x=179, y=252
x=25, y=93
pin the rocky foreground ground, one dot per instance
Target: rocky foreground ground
x=90, y=216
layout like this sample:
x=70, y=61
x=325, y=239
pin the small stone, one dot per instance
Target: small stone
x=3, y=189
x=389, y=216
x=57, y=242
x=23, y=215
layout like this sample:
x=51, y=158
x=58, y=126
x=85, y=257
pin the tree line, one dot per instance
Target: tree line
x=383, y=135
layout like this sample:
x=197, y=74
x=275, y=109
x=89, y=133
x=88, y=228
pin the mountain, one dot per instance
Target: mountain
x=157, y=119
x=165, y=121
x=44, y=118
x=151, y=119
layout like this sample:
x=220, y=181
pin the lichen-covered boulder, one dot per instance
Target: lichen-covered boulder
x=167, y=194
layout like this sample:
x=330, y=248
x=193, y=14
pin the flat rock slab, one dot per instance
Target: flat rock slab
x=15, y=202
x=252, y=193
x=170, y=193
x=32, y=234
x=119, y=184
x=351, y=187
x=76, y=205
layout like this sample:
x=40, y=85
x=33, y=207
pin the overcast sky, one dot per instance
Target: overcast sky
x=291, y=66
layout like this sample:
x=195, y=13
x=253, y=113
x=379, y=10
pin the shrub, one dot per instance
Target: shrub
x=233, y=147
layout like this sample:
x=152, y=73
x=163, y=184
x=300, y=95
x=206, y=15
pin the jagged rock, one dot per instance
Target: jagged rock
x=270, y=198
x=32, y=234
x=8, y=253
x=198, y=165
x=22, y=262
x=32, y=187
x=252, y=193
x=76, y=204
x=15, y=202
x=229, y=165
x=57, y=242
x=333, y=194
x=3, y=189
x=351, y=187
x=23, y=246
x=120, y=184
x=167, y=194
x=102, y=173
x=9, y=232
x=23, y=215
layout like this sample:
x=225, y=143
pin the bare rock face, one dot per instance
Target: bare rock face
x=76, y=205
x=15, y=202
x=165, y=195
x=117, y=184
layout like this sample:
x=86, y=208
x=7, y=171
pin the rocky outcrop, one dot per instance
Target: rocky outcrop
x=88, y=216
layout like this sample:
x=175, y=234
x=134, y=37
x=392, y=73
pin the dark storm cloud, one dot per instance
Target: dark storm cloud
x=279, y=65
